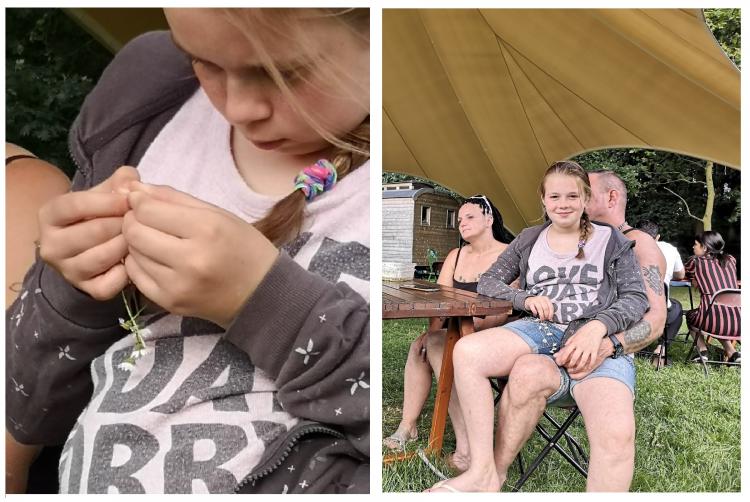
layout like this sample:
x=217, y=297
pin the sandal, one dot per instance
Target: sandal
x=398, y=440
x=702, y=357
x=443, y=485
x=736, y=357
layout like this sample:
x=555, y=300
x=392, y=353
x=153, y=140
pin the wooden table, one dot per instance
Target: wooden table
x=459, y=307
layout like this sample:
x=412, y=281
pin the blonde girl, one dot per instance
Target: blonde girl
x=579, y=282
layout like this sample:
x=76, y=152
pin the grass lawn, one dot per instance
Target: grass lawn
x=687, y=425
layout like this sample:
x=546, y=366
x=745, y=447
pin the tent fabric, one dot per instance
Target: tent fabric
x=484, y=100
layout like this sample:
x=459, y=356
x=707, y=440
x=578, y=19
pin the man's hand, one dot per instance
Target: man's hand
x=190, y=257
x=80, y=235
x=581, y=349
x=540, y=306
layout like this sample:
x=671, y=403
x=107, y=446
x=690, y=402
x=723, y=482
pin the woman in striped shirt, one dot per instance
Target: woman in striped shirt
x=711, y=269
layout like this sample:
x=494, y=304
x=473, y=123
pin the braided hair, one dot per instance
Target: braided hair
x=570, y=168
x=265, y=27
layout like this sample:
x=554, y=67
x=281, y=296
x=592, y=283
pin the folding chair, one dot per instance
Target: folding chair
x=728, y=298
x=663, y=341
x=574, y=454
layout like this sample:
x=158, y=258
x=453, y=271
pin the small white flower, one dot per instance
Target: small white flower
x=138, y=353
x=126, y=366
x=322, y=318
x=337, y=411
x=358, y=382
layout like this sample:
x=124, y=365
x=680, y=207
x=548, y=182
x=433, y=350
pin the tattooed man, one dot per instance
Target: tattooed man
x=603, y=392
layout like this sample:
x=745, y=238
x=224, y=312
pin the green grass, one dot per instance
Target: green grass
x=687, y=426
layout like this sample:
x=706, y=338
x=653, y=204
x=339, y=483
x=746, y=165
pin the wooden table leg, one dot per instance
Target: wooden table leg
x=457, y=327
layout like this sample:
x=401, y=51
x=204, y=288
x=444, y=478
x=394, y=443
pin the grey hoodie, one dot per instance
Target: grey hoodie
x=622, y=295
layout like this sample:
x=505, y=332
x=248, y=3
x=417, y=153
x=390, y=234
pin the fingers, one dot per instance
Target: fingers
x=119, y=181
x=107, y=285
x=61, y=243
x=141, y=279
x=541, y=307
x=549, y=309
x=168, y=194
x=95, y=260
x=78, y=206
x=167, y=217
x=562, y=357
x=158, y=246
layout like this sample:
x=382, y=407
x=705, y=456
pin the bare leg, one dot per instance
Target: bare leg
x=417, y=383
x=476, y=358
x=531, y=381
x=29, y=184
x=701, y=344
x=610, y=425
x=461, y=457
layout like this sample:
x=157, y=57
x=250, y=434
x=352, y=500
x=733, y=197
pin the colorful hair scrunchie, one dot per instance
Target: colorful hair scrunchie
x=316, y=179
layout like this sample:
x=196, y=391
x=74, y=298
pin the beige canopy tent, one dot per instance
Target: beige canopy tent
x=114, y=27
x=483, y=100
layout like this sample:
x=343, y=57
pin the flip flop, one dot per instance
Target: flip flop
x=398, y=440
x=444, y=485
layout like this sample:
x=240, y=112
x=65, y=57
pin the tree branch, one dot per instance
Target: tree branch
x=684, y=202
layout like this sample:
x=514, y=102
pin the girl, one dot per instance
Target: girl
x=579, y=282
x=482, y=240
x=711, y=269
x=250, y=371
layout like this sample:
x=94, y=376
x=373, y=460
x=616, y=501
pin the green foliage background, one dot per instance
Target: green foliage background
x=50, y=66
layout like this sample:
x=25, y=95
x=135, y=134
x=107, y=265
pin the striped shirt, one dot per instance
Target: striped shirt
x=710, y=276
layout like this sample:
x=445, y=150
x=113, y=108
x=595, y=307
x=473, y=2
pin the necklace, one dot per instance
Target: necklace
x=622, y=226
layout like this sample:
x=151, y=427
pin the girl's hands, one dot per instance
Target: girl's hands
x=190, y=257
x=540, y=306
x=80, y=235
x=581, y=349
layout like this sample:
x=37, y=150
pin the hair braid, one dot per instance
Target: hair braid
x=586, y=229
x=284, y=221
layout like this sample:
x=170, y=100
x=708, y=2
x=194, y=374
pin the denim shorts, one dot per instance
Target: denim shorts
x=545, y=338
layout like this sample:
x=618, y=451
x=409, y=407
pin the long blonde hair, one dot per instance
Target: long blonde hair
x=570, y=168
x=284, y=221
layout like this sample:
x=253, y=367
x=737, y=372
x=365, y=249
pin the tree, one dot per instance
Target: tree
x=694, y=185
x=51, y=64
x=725, y=26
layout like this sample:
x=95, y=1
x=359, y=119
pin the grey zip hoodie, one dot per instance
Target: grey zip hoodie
x=622, y=295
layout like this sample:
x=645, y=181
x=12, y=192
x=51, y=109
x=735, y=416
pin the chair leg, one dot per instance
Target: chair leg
x=662, y=353
x=552, y=442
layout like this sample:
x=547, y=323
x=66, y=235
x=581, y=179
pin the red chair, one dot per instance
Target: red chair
x=730, y=298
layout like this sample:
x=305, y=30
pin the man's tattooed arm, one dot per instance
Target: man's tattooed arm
x=636, y=337
x=652, y=278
